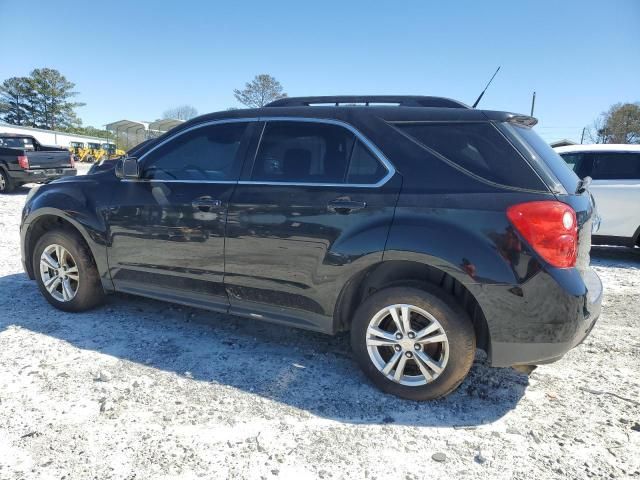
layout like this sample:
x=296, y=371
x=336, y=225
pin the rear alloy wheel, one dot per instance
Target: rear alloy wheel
x=6, y=185
x=407, y=345
x=413, y=343
x=66, y=272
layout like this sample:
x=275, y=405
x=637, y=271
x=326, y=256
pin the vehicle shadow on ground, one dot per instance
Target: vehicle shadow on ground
x=305, y=370
x=619, y=257
x=21, y=190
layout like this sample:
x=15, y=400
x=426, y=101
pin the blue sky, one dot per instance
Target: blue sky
x=135, y=59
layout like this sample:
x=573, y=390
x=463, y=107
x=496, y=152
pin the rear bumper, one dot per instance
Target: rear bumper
x=551, y=322
x=41, y=175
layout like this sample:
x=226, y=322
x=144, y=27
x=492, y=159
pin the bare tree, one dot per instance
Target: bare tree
x=182, y=112
x=260, y=91
x=620, y=124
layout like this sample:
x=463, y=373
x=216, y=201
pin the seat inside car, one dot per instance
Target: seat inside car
x=296, y=164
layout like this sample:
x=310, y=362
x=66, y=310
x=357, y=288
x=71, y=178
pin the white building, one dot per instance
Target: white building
x=50, y=137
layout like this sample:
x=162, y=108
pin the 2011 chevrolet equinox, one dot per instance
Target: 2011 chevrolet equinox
x=425, y=227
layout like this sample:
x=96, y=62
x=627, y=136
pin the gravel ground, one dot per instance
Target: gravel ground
x=143, y=389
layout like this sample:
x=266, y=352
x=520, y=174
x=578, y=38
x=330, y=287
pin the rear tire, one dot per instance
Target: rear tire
x=431, y=364
x=68, y=268
x=6, y=184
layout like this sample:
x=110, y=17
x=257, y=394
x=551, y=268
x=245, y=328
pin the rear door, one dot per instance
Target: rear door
x=167, y=228
x=313, y=208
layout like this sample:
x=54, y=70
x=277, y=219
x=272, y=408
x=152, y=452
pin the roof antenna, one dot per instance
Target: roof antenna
x=485, y=89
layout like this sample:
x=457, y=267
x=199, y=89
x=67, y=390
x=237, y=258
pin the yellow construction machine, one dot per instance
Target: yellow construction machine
x=110, y=151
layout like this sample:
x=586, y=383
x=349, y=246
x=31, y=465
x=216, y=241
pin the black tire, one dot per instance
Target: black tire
x=89, y=292
x=6, y=184
x=454, y=321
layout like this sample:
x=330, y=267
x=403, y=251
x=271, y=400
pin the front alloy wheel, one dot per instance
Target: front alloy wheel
x=59, y=273
x=66, y=271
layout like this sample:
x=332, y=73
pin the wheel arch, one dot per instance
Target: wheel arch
x=47, y=219
x=635, y=240
x=408, y=272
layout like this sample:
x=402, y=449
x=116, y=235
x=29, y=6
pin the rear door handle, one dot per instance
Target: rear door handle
x=345, y=206
x=205, y=204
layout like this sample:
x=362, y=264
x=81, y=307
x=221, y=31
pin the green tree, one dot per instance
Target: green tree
x=52, y=99
x=88, y=131
x=14, y=96
x=260, y=91
x=620, y=124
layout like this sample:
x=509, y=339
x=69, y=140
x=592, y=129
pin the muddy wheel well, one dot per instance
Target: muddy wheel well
x=38, y=228
x=397, y=273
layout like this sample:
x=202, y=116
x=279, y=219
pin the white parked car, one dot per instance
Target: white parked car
x=615, y=170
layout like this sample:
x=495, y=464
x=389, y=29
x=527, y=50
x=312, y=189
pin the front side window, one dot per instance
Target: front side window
x=615, y=165
x=314, y=152
x=206, y=153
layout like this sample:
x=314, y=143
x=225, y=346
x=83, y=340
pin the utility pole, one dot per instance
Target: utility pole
x=533, y=102
x=582, y=136
x=18, y=109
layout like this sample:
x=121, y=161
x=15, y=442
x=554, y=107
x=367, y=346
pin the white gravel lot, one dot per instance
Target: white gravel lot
x=142, y=389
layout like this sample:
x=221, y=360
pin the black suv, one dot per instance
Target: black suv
x=426, y=228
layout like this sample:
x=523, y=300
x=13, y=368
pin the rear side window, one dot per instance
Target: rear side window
x=478, y=148
x=614, y=165
x=313, y=152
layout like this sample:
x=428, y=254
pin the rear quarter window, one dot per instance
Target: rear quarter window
x=476, y=148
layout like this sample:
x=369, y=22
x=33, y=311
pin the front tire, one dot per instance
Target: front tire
x=413, y=343
x=65, y=271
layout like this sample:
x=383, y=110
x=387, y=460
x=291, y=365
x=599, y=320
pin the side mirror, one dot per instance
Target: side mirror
x=127, y=168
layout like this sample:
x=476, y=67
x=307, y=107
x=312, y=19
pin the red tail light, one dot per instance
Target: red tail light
x=23, y=161
x=72, y=161
x=550, y=227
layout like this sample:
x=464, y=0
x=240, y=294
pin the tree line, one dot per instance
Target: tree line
x=46, y=99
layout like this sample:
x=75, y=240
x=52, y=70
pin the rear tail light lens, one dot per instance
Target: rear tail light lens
x=72, y=161
x=23, y=161
x=550, y=227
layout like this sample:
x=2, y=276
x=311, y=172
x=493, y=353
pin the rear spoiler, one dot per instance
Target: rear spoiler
x=523, y=120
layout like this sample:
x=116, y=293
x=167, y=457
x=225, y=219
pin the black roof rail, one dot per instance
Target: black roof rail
x=399, y=100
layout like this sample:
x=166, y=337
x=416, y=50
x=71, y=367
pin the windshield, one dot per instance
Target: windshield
x=543, y=156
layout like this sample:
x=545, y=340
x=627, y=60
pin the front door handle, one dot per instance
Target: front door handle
x=205, y=204
x=345, y=206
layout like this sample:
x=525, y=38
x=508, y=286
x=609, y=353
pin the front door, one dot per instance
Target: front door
x=167, y=229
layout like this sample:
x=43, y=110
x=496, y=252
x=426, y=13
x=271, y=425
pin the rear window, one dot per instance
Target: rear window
x=546, y=157
x=17, y=142
x=478, y=148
